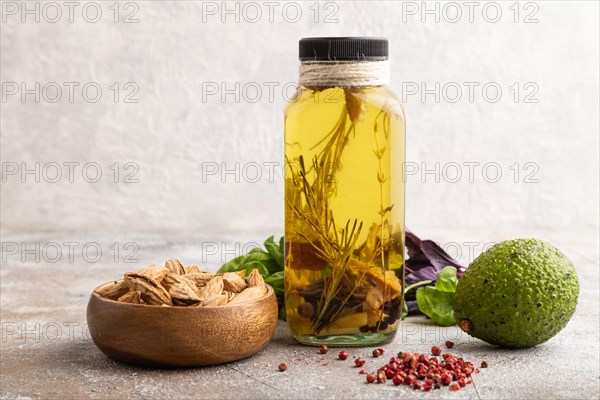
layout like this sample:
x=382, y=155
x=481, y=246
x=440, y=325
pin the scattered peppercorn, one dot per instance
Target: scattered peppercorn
x=446, y=379
x=283, y=367
x=449, y=344
x=370, y=378
x=362, y=371
x=359, y=362
x=323, y=349
x=343, y=355
x=381, y=350
x=397, y=380
x=376, y=353
x=423, y=372
x=484, y=364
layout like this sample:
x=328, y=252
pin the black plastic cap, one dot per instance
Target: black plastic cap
x=343, y=49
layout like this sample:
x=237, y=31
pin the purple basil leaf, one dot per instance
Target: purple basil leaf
x=413, y=243
x=413, y=307
x=417, y=261
x=438, y=257
x=425, y=261
x=423, y=274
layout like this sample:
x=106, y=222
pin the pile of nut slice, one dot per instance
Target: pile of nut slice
x=176, y=285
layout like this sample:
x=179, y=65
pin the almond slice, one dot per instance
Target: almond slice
x=153, y=273
x=182, y=291
x=150, y=293
x=172, y=279
x=232, y=282
x=200, y=278
x=255, y=279
x=114, y=290
x=175, y=267
x=134, y=297
x=251, y=293
x=219, y=300
x=191, y=269
x=214, y=287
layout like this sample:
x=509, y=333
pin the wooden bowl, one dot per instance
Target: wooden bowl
x=181, y=336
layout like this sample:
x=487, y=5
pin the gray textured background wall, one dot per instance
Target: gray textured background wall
x=174, y=143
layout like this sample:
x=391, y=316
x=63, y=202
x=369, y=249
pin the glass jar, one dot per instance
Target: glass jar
x=344, y=196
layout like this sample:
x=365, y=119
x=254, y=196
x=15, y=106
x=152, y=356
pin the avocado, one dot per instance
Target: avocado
x=518, y=294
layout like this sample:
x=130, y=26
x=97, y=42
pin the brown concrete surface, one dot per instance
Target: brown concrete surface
x=46, y=351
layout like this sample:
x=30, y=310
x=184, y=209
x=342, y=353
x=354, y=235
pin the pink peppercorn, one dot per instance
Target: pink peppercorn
x=359, y=362
x=421, y=371
x=446, y=379
x=398, y=380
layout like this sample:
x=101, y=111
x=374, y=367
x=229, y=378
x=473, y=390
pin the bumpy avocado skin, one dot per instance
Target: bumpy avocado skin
x=519, y=293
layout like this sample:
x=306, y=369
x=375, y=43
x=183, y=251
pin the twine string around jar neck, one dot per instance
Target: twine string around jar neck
x=344, y=73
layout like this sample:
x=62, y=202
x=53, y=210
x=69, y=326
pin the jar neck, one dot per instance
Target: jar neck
x=344, y=74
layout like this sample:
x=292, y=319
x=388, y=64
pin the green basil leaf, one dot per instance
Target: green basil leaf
x=282, y=314
x=282, y=244
x=447, y=280
x=258, y=254
x=276, y=280
x=277, y=276
x=249, y=266
x=270, y=239
x=274, y=251
x=237, y=264
x=271, y=265
x=437, y=305
x=404, y=310
x=416, y=285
